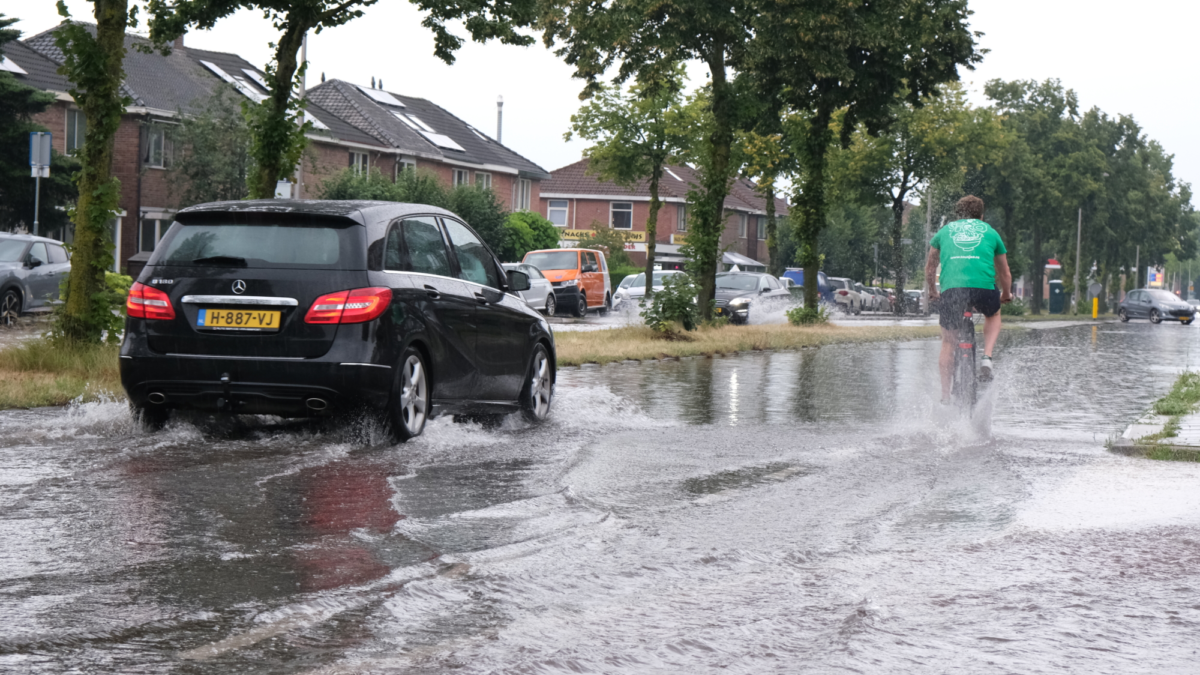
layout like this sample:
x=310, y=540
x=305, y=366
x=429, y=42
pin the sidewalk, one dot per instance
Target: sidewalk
x=1162, y=437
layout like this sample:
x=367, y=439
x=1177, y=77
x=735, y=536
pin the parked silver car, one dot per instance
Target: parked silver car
x=1156, y=305
x=31, y=269
x=633, y=287
x=540, y=295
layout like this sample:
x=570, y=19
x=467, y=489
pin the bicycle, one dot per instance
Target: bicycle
x=964, y=382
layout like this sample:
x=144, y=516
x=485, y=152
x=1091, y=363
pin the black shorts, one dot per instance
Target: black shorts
x=956, y=301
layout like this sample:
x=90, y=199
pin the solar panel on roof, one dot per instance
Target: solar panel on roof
x=421, y=124
x=477, y=133
x=8, y=64
x=380, y=96
x=442, y=141
x=404, y=118
x=240, y=85
x=257, y=77
x=318, y=124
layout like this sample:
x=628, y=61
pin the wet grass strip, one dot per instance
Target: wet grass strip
x=1182, y=400
x=641, y=343
x=40, y=373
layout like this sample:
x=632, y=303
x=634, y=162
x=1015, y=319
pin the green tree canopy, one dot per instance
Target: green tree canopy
x=214, y=159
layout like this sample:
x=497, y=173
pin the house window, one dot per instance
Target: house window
x=462, y=177
x=404, y=165
x=620, y=215
x=358, y=162
x=158, y=148
x=522, y=193
x=150, y=231
x=556, y=211
x=762, y=227
x=76, y=130
x=742, y=225
x=681, y=221
x=483, y=180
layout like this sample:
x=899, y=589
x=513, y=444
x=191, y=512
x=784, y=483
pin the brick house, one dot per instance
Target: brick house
x=361, y=128
x=575, y=201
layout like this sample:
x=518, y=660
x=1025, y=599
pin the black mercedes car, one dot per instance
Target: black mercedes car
x=737, y=291
x=311, y=308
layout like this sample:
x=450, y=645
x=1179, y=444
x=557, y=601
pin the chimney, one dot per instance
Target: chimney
x=372, y=81
x=499, y=118
x=178, y=46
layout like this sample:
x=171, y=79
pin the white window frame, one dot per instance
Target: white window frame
x=612, y=210
x=522, y=194
x=403, y=165
x=483, y=179
x=681, y=218
x=360, y=162
x=564, y=209
x=79, y=117
x=164, y=157
x=461, y=177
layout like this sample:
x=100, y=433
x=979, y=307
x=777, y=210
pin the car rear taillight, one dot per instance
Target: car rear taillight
x=843, y=292
x=356, y=306
x=145, y=302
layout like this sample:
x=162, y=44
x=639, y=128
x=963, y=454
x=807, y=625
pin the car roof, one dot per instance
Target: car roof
x=740, y=273
x=345, y=208
x=551, y=250
x=29, y=237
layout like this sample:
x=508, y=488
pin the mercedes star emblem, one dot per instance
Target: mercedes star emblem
x=239, y=287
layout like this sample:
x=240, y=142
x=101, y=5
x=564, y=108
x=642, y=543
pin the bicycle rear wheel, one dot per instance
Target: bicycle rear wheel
x=965, y=382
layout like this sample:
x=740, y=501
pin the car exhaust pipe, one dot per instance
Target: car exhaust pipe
x=157, y=398
x=316, y=404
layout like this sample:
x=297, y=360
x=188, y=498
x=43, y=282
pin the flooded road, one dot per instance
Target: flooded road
x=789, y=512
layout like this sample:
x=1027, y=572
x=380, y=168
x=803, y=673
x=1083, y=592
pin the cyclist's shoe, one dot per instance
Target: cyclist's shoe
x=985, y=369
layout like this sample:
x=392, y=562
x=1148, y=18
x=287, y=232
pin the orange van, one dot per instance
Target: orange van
x=579, y=277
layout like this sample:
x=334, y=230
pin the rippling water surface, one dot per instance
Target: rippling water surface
x=809, y=511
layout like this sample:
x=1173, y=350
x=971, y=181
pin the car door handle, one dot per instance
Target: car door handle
x=480, y=297
x=432, y=292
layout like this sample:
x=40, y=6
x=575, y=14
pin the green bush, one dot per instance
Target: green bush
x=1014, y=308
x=674, y=305
x=526, y=231
x=803, y=316
x=611, y=241
x=618, y=274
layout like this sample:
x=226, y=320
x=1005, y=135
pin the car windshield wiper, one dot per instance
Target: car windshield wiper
x=220, y=260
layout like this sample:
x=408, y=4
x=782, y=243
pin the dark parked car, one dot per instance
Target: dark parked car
x=31, y=269
x=310, y=308
x=1156, y=305
x=738, y=291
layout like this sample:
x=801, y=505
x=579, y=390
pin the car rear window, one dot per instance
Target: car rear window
x=316, y=243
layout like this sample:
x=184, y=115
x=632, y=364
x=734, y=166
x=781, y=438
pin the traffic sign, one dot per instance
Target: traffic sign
x=39, y=153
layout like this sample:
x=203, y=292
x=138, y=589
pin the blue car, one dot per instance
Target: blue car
x=825, y=291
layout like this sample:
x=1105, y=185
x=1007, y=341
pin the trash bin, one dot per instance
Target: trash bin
x=1058, y=299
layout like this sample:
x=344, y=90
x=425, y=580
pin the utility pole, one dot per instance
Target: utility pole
x=1078, y=261
x=876, y=277
x=499, y=119
x=1137, y=270
x=303, y=92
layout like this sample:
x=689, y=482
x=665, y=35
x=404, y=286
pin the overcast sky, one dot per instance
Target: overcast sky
x=1122, y=57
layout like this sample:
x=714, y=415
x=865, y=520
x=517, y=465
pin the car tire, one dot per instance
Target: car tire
x=10, y=308
x=551, y=305
x=581, y=306
x=1186, y=322
x=150, y=418
x=1155, y=317
x=538, y=392
x=1122, y=315
x=408, y=408
x=606, y=307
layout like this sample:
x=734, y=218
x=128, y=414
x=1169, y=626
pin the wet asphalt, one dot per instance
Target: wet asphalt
x=811, y=511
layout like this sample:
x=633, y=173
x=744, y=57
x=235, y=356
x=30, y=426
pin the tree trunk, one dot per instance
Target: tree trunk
x=652, y=227
x=96, y=73
x=1039, y=267
x=705, y=238
x=898, y=248
x=774, y=264
x=812, y=202
x=274, y=134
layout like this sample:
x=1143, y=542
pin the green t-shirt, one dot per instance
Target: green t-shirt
x=968, y=251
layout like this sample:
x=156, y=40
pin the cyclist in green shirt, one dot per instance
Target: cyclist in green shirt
x=974, y=262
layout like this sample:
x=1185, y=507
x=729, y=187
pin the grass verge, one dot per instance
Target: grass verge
x=1024, y=318
x=1183, y=399
x=39, y=373
x=640, y=343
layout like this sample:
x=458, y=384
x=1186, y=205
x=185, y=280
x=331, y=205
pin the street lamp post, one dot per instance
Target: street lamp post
x=1078, y=262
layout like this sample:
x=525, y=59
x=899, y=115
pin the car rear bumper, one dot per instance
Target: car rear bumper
x=289, y=388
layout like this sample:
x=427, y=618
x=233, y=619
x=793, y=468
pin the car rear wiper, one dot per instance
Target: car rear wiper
x=221, y=260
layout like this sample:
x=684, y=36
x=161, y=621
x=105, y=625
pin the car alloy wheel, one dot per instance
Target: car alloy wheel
x=1155, y=317
x=551, y=305
x=538, y=391
x=581, y=308
x=411, y=397
x=10, y=308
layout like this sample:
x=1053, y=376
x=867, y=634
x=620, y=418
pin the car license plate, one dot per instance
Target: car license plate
x=238, y=319
x=720, y=310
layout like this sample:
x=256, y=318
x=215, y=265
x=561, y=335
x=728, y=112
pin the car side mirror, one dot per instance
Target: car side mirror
x=518, y=281
x=34, y=262
x=589, y=268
